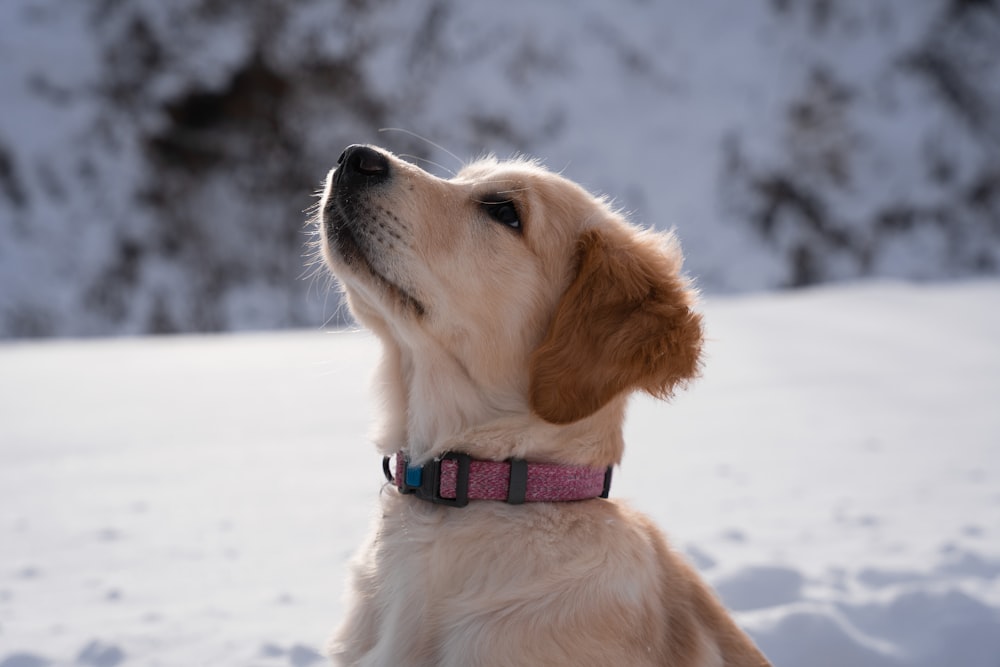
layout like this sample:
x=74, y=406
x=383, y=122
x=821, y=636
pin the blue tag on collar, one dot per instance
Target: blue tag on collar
x=414, y=475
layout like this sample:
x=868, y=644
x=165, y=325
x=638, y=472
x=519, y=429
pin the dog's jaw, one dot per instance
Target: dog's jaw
x=351, y=260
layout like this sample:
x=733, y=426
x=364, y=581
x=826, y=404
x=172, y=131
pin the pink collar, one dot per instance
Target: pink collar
x=455, y=479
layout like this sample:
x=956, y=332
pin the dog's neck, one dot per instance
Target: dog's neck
x=433, y=405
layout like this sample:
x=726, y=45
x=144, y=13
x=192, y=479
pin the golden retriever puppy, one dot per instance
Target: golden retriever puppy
x=517, y=313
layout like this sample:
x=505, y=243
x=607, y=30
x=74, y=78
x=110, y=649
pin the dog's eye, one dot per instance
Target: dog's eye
x=503, y=212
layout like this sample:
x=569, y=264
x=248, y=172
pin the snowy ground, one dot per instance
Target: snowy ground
x=192, y=501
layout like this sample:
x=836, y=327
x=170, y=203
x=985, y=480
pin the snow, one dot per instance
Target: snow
x=194, y=500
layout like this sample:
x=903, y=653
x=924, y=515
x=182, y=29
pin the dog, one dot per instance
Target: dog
x=517, y=312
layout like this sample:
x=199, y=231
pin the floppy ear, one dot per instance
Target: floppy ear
x=625, y=323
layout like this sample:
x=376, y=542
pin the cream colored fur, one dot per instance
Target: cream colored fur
x=499, y=343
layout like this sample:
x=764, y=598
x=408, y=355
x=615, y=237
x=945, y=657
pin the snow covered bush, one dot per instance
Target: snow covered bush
x=156, y=157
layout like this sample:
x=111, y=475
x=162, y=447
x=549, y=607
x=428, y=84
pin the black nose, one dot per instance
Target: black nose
x=361, y=165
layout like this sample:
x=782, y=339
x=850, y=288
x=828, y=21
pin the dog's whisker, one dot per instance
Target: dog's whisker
x=417, y=158
x=425, y=140
x=326, y=301
x=512, y=191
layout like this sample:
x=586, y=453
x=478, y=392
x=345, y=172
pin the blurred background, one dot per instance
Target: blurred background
x=157, y=157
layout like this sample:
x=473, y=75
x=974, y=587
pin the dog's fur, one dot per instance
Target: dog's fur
x=503, y=342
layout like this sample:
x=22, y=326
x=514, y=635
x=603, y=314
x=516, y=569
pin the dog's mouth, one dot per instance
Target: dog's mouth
x=339, y=220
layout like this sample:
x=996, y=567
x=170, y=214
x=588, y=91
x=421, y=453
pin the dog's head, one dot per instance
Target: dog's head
x=538, y=290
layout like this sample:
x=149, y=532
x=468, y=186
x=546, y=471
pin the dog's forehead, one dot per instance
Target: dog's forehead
x=490, y=167
x=520, y=175
x=500, y=176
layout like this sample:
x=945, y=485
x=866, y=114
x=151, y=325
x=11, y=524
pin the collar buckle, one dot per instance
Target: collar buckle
x=424, y=481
